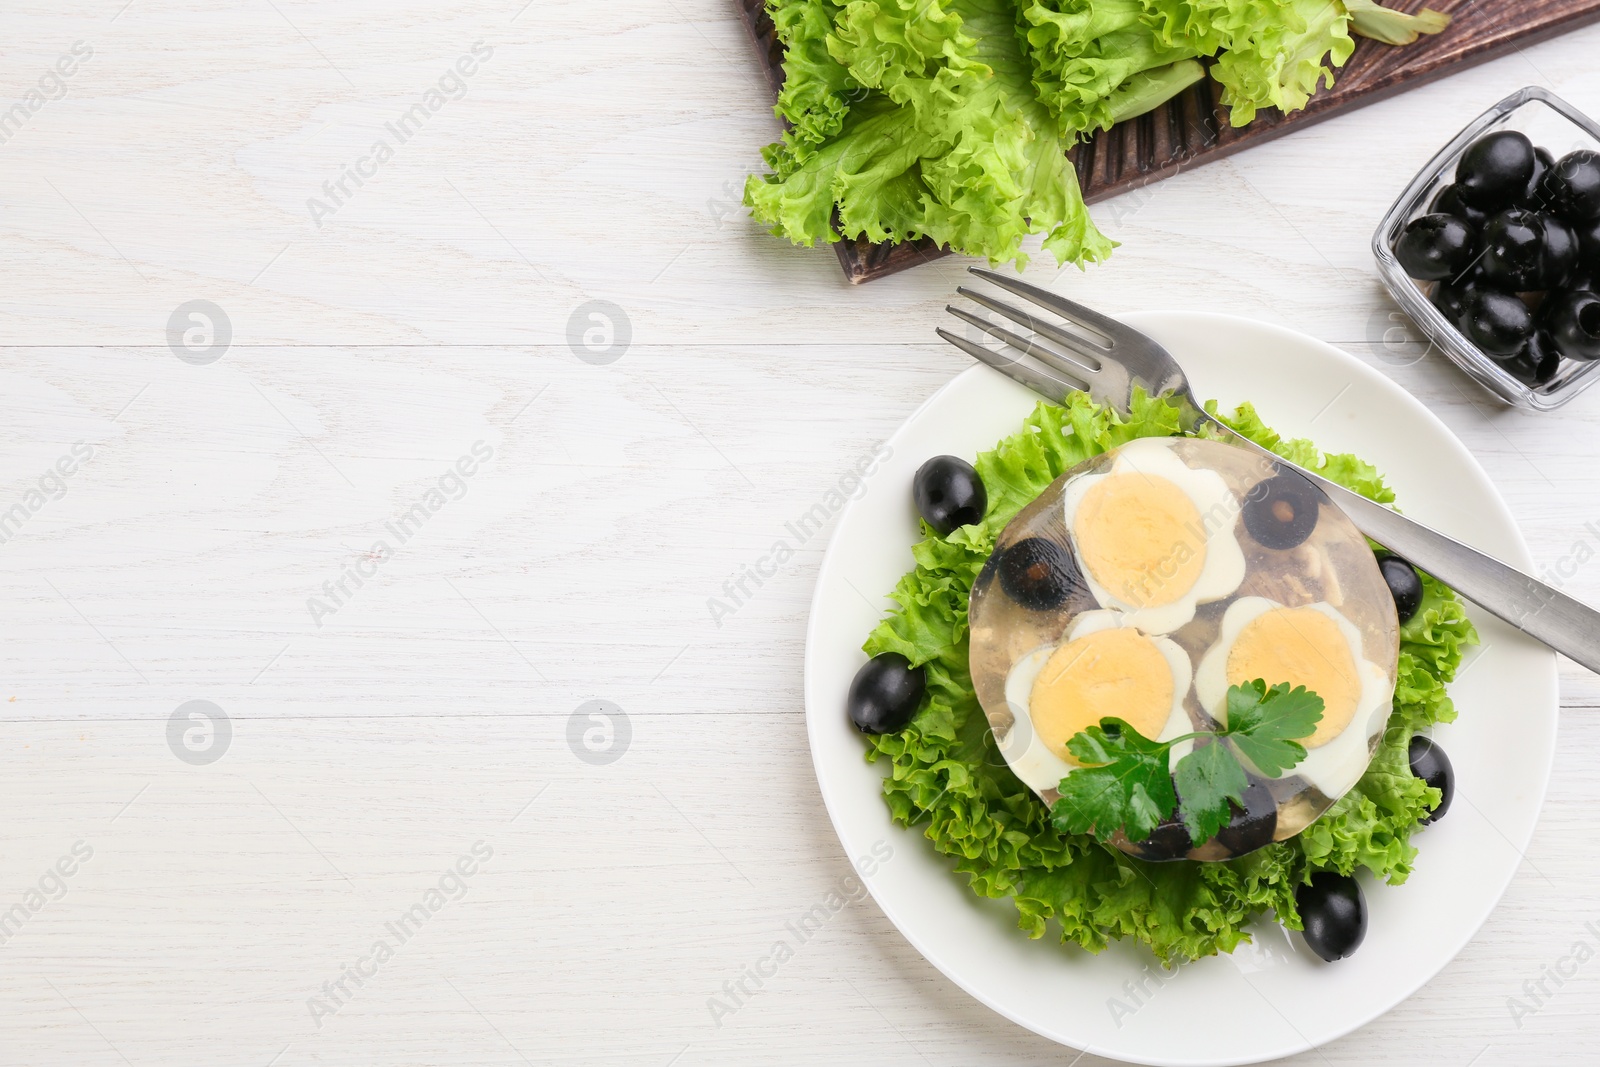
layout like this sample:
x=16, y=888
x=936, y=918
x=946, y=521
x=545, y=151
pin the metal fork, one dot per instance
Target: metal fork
x=1107, y=359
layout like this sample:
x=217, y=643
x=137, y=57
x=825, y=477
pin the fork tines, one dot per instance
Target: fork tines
x=1052, y=388
x=1071, y=367
x=1085, y=351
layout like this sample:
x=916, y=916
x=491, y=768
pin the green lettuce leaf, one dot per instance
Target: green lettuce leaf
x=946, y=775
x=1149, y=89
x=1270, y=53
x=1086, y=55
x=1371, y=19
x=1280, y=60
x=950, y=141
x=817, y=89
x=951, y=119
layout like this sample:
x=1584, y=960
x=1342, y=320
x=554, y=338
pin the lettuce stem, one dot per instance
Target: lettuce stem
x=1149, y=89
x=1370, y=19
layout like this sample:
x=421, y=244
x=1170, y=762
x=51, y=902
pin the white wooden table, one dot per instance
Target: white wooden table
x=376, y=734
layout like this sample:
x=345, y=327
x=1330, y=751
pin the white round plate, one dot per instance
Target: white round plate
x=1273, y=998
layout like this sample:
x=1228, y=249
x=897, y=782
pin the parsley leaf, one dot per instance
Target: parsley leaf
x=1266, y=724
x=1125, y=783
x=1208, y=778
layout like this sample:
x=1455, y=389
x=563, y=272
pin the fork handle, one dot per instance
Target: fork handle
x=1532, y=606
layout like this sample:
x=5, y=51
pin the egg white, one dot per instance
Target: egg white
x=1337, y=765
x=1224, y=567
x=1030, y=758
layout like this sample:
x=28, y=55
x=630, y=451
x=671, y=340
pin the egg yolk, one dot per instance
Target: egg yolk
x=1301, y=646
x=1141, y=538
x=1116, y=673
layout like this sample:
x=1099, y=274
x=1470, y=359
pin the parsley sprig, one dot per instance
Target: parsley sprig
x=1126, y=782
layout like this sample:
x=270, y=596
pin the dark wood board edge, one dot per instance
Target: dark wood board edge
x=764, y=35
x=1197, y=112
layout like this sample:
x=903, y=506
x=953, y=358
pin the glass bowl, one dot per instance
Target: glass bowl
x=1549, y=122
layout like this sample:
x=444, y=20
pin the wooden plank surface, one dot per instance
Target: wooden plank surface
x=1193, y=128
x=591, y=158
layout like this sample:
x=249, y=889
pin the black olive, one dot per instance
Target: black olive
x=1252, y=826
x=1404, y=585
x=1534, y=197
x=1170, y=840
x=1513, y=250
x=1281, y=511
x=1573, y=320
x=1450, y=297
x=1560, y=255
x=1436, y=246
x=885, y=694
x=1038, y=573
x=1571, y=188
x=1429, y=763
x=1451, y=202
x=1582, y=282
x=1333, y=914
x=1538, y=361
x=949, y=494
x=1495, y=171
x=1588, y=246
x=1497, y=322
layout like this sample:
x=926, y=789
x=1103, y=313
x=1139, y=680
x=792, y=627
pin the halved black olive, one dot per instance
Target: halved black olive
x=1538, y=361
x=1254, y=825
x=1404, y=585
x=1280, y=512
x=1513, y=250
x=949, y=494
x=1571, y=188
x=885, y=694
x=1497, y=322
x=1573, y=320
x=1451, y=202
x=1038, y=573
x=1560, y=253
x=1333, y=913
x=1436, y=246
x=1429, y=763
x=1170, y=840
x=1495, y=171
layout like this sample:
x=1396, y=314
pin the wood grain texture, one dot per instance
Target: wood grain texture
x=1193, y=128
x=591, y=158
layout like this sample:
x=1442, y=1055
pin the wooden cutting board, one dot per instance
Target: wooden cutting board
x=1193, y=128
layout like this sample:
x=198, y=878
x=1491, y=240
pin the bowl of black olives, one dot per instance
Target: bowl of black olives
x=1494, y=250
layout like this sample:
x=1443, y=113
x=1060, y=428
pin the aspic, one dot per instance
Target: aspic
x=1188, y=567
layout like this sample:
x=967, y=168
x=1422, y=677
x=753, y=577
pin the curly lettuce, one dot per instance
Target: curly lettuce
x=946, y=775
x=948, y=140
x=1087, y=54
x=817, y=89
x=951, y=119
x=1281, y=61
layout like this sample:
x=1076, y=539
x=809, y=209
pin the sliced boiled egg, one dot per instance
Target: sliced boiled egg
x=1314, y=646
x=1154, y=536
x=1102, y=668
